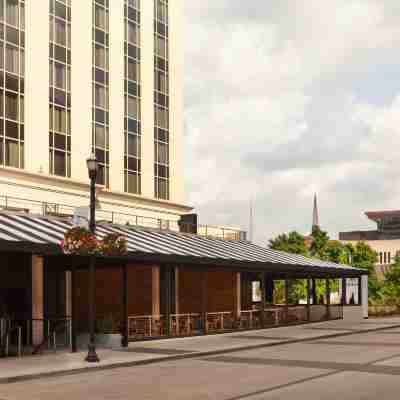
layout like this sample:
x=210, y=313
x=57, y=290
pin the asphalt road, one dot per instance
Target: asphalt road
x=360, y=366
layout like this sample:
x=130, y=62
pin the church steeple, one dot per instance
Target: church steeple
x=315, y=221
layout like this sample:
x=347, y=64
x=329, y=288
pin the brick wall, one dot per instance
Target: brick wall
x=221, y=288
x=189, y=291
x=221, y=291
x=144, y=296
x=108, y=299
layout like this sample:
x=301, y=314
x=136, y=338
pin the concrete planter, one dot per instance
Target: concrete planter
x=383, y=310
x=103, y=340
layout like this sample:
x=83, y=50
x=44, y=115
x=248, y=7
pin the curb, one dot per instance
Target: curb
x=200, y=354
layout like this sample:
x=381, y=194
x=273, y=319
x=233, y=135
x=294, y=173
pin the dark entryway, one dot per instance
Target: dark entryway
x=15, y=286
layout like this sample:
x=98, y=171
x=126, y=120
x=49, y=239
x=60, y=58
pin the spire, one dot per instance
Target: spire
x=315, y=221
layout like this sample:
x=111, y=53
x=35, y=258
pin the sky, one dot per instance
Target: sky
x=284, y=99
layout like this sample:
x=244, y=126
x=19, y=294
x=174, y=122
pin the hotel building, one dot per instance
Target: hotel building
x=385, y=240
x=102, y=76
x=105, y=76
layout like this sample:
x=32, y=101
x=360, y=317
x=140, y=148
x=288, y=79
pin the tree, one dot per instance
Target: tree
x=292, y=242
x=337, y=252
x=320, y=239
x=364, y=257
x=360, y=255
x=391, y=286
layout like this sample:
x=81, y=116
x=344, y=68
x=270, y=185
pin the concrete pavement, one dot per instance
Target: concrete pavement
x=357, y=366
x=178, y=349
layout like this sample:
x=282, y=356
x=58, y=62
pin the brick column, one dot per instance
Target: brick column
x=68, y=294
x=37, y=299
x=364, y=295
x=176, y=311
x=155, y=291
x=237, y=295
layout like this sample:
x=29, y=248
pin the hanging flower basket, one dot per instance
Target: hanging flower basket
x=80, y=241
x=113, y=244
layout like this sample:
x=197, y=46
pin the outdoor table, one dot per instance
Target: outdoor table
x=275, y=312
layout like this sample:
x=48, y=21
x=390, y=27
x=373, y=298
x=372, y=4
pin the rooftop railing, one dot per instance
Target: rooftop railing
x=51, y=209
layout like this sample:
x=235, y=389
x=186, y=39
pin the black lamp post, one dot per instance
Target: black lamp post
x=93, y=167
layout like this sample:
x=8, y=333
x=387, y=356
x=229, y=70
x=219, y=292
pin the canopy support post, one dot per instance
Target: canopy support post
x=308, y=300
x=168, y=287
x=263, y=297
x=74, y=347
x=125, y=316
x=328, y=298
x=204, y=295
x=287, y=284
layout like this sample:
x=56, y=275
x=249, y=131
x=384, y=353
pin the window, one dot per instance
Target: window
x=101, y=96
x=12, y=153
x=161, y=81
x=133, y=108
x=133, y=3
x=11, y=83
x=132, y=84
x=12, y=35
x=60, y=36
x=100, y=136
x=133, y=33
x=134, y=143
x=161, y=11
x=161, y=100
x=60, y=120
x=11, y=106
x=100, y=18
x=162, y=152
x=60, y=88
x=99, y=56
x=12, y=12
x=133, y=70
x=162, y=117
x=161, y=47
x=1, y=55
x=133, y=183
x=60, y=76
x=161, y=188
x=60, y=10
x=100, y=85
x=59, y=163
x=12, y=59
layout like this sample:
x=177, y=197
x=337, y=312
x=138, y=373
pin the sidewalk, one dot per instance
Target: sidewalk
x=140, y=353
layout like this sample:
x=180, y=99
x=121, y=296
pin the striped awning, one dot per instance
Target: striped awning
x=47, y=233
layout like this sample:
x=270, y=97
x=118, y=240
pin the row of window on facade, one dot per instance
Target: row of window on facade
x=385, y=257
x=12, y=62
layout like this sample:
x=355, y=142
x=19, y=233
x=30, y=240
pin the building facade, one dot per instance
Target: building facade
x=385, y=240
x=100, y=76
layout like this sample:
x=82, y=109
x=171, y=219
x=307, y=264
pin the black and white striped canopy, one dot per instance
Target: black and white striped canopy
x=45, y=232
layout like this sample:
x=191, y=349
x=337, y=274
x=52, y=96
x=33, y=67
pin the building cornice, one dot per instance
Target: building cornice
x=54, y=184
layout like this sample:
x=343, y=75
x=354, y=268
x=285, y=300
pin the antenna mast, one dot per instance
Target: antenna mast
x=251, y=221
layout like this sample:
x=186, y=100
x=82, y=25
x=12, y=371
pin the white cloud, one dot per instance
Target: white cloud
x=280, y=103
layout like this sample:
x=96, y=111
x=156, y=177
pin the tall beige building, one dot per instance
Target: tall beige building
x=92, y=75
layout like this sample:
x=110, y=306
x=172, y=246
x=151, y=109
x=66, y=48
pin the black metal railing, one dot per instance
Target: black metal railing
x=155, y=326
x=10, y=337
x=28, y=206
x=17, y=336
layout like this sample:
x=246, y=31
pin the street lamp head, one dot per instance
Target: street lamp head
x=92, y=166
